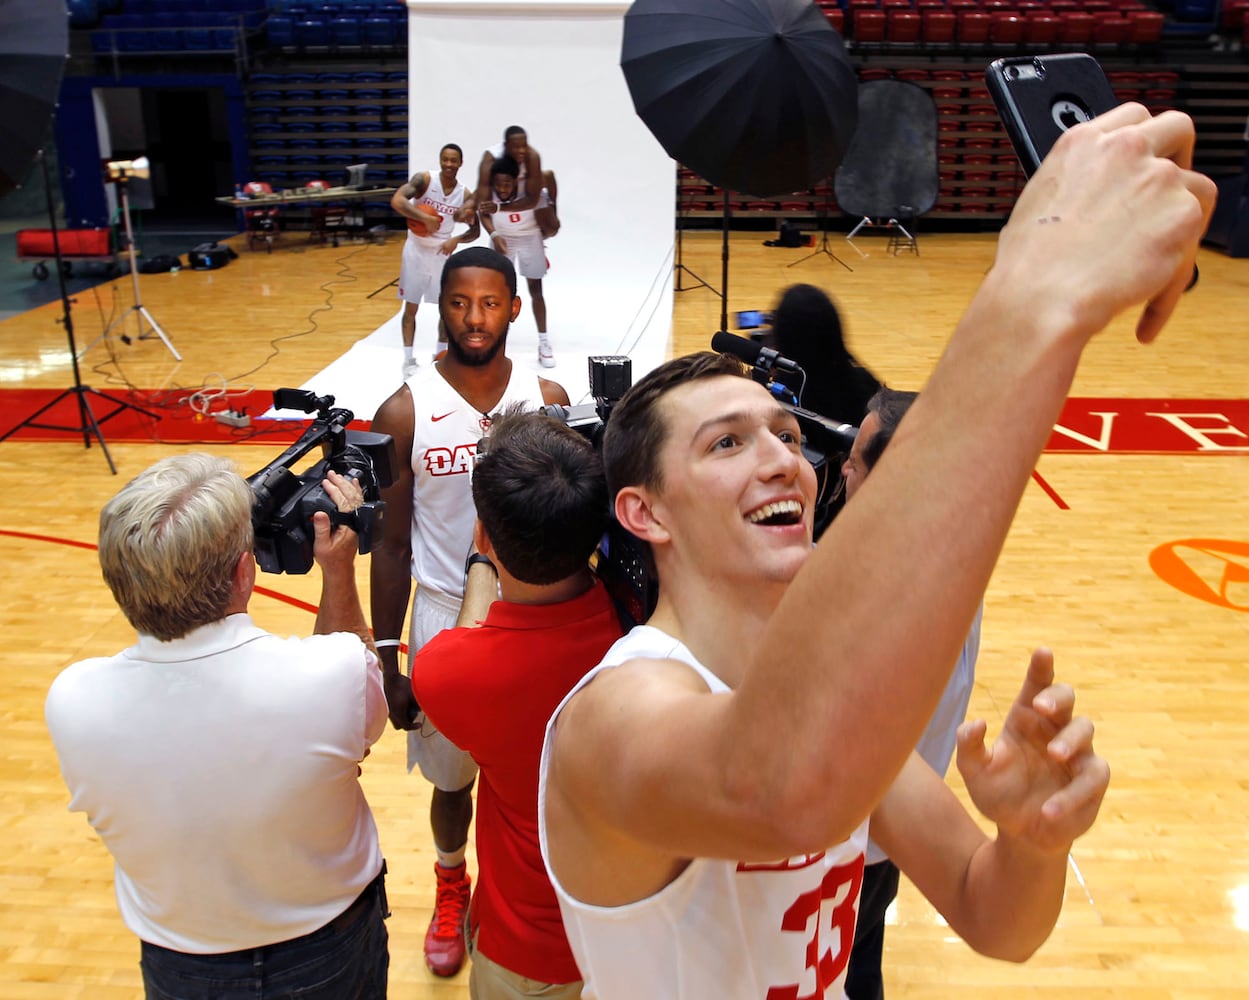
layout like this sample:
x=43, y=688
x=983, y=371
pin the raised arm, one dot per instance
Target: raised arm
x=390, y=569
x=483, y=180
x=401, y=200
x=835, y=694
x=1041, y=783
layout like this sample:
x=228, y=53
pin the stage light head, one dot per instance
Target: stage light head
x=124, y=170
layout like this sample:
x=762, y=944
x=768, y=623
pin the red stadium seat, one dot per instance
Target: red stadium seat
x=939, y=27
x=903, y=26
x=973, y=27
x=867, y=25
x=1111, y=30
x=1040, y=29
x=1146, y=26
x=1075, y=28
x=1006, y=29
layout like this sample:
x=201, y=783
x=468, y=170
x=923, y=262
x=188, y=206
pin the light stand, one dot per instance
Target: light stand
x=87, y=425
x=724, y=266
x=120, y=172
x=823, y=248
x=680, y=268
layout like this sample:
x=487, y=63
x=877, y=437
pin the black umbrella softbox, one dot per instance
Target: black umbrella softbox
x=32, y=59
x=756, y=96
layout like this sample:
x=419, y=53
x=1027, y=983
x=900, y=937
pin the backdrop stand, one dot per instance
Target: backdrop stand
x=87, y=424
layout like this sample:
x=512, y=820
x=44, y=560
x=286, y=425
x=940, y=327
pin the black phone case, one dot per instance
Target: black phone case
x=1025, y=103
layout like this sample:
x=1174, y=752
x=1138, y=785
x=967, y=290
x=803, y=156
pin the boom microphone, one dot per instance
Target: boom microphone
x=752, y=353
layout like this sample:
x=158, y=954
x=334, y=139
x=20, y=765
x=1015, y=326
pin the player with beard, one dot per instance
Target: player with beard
x=436, y=419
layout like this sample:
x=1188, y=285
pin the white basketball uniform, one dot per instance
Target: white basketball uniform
x=445, y=432
x=523, y=236
x=420, y=271
x=499, y=151
x=723, y=929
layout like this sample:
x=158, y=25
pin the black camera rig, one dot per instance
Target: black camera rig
x=286, y=500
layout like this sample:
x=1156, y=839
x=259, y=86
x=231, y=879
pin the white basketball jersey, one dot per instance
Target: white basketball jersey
x=445, y=432
x=445, y=205
x=723, y=929
x=509, y=223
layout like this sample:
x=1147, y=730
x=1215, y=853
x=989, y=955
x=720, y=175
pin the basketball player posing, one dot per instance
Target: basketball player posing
x=436, y=419
x=531, y=180
x=515, y=233
x=425, y=251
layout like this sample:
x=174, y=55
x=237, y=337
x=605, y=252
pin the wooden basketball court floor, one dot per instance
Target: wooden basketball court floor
x=1158, y=896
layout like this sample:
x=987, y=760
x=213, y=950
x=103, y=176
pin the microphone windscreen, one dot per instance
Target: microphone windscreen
x=739, y=347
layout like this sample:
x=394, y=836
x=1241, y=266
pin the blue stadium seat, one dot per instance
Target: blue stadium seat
x=379, y=32
x=83, y=13
x=345, y=32
x=280, y=31
x=313, y=33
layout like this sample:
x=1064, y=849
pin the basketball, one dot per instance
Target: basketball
x=425, y=228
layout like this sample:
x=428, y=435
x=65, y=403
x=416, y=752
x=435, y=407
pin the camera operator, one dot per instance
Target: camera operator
x=541, y=502
x=219, y=763
x=806, y=328
x=885, y=411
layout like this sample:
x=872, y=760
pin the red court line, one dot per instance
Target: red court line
x=294, y=602
x=1050, y=491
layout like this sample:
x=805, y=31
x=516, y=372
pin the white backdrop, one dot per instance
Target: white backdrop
x=479, y=66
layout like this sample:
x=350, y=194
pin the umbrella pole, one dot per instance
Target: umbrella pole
x=87, y=425
x=724, y=267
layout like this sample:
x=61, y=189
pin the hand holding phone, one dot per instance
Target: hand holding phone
x=1040, y=97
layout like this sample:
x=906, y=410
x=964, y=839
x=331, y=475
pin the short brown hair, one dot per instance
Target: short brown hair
x=540, y=495
x=636, y=432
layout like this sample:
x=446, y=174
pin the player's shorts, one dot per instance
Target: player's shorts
x=420, y=269
x=444, y=764
x=528, y=254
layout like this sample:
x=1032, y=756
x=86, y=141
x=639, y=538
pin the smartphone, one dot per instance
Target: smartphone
x=751, y=319
x=1040, y=97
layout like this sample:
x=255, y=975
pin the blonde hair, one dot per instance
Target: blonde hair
x=169, y=542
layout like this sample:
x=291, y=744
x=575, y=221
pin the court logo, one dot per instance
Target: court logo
x=1213, y=570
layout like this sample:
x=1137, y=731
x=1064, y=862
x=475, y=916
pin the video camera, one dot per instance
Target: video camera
x=285, y=500
x=622, y=561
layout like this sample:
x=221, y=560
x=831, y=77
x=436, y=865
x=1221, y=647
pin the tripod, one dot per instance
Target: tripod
x=823, y=248
x=680, y=269
x=88, y=426
x=138, y=307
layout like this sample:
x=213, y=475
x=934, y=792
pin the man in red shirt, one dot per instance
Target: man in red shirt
x=541, y=506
